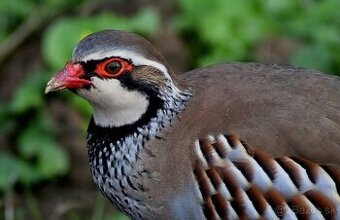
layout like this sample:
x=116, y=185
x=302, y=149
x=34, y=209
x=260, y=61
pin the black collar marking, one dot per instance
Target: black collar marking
x=115, y=134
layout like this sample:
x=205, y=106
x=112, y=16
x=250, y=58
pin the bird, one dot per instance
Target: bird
x=227, y=141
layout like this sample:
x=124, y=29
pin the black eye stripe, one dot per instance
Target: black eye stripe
x=89, y=66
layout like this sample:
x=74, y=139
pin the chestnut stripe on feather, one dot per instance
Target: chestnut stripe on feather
x=322, y=203
x=238, y=181
x=300, y=206
x=291, y=170
x=266, y=162
x=311, y=168
x=256, y=196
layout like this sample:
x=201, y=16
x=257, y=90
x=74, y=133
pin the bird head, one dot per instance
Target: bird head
x=118, y=73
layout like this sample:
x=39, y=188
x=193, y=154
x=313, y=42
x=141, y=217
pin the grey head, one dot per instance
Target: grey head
x=118, y=73
x=106, y=43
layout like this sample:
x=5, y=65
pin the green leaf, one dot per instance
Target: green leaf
x=29, y=93
x=8, y=171
x=37, y=143
x=14, y=170
x=220, y=30
x=312, y=56
x=18, y=8
x=6, y=121
x=227, y=28
x=145, y=22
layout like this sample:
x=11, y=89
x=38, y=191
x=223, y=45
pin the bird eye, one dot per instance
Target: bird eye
x=113, y=67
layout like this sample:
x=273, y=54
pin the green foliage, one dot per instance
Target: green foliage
x=18, y=9
x=38, y=144
x=28, y=95
x=37, y=155
x=10, y=170
x=319, y=28
x=13, y=13
x=220, y=30
x=228, y=30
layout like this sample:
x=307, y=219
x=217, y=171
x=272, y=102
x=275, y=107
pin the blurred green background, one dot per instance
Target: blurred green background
x=43, y=159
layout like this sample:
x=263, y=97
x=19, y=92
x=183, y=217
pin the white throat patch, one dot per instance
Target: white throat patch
x=114, y=105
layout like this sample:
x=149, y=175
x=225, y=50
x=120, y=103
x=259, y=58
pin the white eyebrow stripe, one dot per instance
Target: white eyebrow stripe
x=136, y=58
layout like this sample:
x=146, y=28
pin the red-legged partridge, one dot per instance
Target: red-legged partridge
x=164, y=147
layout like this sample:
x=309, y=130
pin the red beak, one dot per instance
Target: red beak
x=68, y=78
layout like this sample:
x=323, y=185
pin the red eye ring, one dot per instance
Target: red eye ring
x=103, y=68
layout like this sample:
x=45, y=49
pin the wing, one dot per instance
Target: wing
x=241, y=182
x=296, y=111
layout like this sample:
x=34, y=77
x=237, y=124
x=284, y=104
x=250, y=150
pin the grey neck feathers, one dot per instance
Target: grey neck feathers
x=113, y=152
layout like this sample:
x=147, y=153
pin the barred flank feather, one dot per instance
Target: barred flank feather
x=238, y=181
